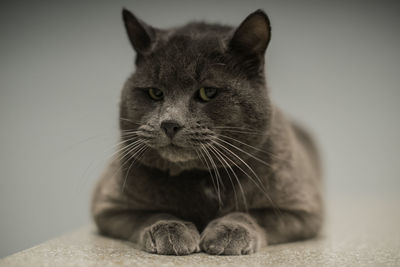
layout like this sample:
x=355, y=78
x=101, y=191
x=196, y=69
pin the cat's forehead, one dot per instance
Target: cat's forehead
x=187, y=49
x=185, y=57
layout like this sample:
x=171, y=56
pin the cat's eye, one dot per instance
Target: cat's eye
x=207, y=93
x=156, y=94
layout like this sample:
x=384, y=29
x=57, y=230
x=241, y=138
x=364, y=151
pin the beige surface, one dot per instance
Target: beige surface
x=362, y=232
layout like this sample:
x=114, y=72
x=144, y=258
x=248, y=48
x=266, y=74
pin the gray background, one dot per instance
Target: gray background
x=334, y=65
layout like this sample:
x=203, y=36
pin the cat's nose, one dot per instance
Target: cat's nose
x=170, y=127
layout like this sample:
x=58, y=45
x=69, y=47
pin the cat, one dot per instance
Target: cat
x=207, y=162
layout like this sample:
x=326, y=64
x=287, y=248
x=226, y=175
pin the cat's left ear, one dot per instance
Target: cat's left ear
x=253, y=35
x=141, y=35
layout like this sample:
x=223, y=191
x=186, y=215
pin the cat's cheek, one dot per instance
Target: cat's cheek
x=222, y=113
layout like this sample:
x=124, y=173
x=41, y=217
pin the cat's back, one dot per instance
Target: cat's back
x=307, y=140
x=294, y=142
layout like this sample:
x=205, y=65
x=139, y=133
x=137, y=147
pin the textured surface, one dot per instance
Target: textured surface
x=334, y=65
x=358, y=232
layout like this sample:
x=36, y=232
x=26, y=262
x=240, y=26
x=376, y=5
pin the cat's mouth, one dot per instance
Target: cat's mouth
x=172, y=145
x=176, y=153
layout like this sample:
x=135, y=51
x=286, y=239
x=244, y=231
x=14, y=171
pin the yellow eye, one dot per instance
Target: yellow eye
x=206, y=93
x=156, y=94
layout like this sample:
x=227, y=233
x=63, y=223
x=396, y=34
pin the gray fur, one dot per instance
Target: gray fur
x=166, y=198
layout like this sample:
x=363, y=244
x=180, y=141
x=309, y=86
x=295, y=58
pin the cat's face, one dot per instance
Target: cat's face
x=196, y=93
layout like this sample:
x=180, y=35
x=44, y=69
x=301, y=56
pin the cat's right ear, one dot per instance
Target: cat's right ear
x=141, y=35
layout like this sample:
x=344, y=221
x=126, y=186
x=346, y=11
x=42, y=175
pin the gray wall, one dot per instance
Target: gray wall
x=332, y=64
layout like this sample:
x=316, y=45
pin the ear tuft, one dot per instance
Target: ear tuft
x=140, y=34
x=253, y=34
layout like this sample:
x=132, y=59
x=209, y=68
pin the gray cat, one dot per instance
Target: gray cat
x=207, y=162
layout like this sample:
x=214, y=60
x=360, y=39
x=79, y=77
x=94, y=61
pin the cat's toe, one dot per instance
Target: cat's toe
x=171, y=238
x=229, y=239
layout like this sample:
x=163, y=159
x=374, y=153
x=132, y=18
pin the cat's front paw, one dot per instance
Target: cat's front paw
x=171, y=238
x=229, y=238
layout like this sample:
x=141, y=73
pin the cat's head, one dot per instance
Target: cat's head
x=198, y=93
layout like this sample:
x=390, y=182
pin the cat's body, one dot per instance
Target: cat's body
x=222, y=170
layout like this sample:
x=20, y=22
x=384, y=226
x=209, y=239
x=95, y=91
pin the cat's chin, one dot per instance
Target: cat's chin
x=177, y=154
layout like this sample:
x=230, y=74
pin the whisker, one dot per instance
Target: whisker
x=239, y=129
x=128, y=150
x=132, y=138
x=230, y=178
x=124, y=148
x=130, y=166
x=236, y=177
x=259, y=185
x=106, y=157
x=215, y=172
x=128, y=120
x=216, y=168
x=204, y=161
x=233, y=187
x=236, y=127
x=208, y=167
x=130, y=132
x=242, y=132
x=253, y=147
x=85, y=140
x=245, y=152
x=243, y=162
